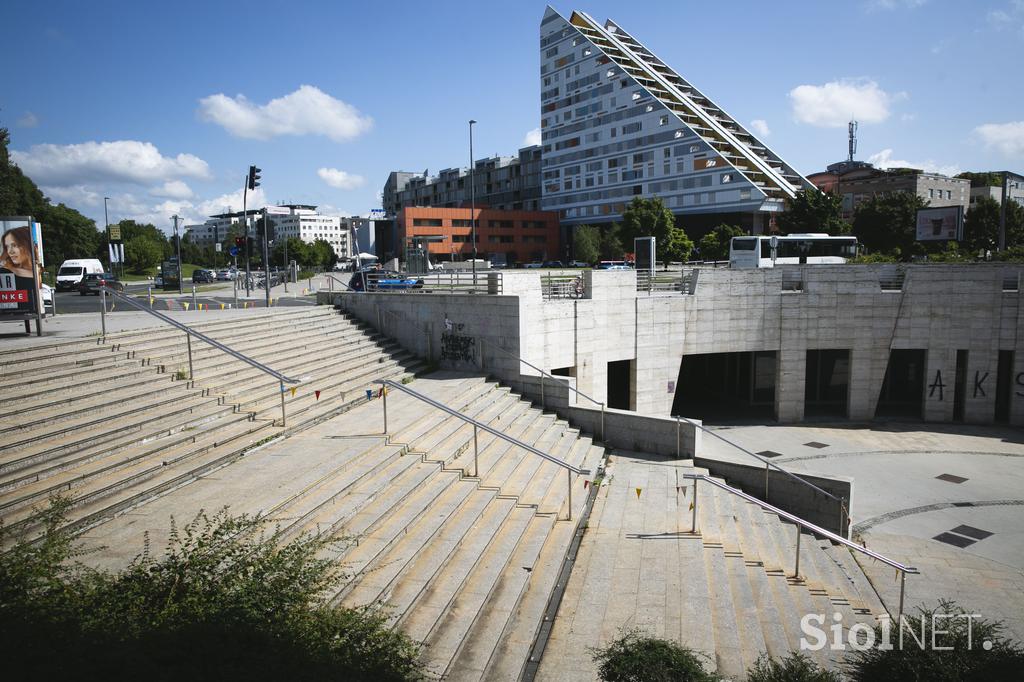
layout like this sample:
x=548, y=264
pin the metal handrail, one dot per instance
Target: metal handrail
x=801, y=523
x=569, y=468
x=546, y=374
x=190, y=332
x=332, y=279
x=844, y=512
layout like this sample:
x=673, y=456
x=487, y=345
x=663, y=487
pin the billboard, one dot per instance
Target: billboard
x=21, y=262
x=644, y=248
x=940, y=224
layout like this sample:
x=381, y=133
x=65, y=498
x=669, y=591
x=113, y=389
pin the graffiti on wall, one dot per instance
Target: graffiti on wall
x=455, y=346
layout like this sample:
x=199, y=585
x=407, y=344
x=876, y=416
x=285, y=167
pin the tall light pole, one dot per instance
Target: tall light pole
x=106, y=226
x=177, y=245
x=472, y=199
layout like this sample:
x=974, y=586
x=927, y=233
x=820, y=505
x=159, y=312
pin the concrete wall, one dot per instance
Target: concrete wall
x=789, y=494
x=939, y=308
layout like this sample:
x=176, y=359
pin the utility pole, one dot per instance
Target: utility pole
x=251, y=182
x=266, y=257
x=177, y=246
x=472, y=200
x=1002, y=211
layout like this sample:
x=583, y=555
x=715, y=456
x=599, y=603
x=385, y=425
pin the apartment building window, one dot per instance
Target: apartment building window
x=460, y=222
x=426, y=222
x=726, y=177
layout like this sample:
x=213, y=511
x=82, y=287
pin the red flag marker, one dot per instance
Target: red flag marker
x=317, y=394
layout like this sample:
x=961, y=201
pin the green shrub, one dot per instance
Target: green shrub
x=227, y=600
x=636, y=657
x=967, y=658
x=794, y=668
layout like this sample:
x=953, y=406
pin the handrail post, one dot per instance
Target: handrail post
x=602, y=424
x=903, y=586
x=796, y=569
x=281, y=384
x=568, y=477
x=543, y=404
x=188, y=341
x=384, y=397
x=194, y=303
x=476, y=455
x=693, y=522
x=678, y=451
x=103, y=313
x=842, y=517
x=766, y=468
x=234, y=281
x=149, y=294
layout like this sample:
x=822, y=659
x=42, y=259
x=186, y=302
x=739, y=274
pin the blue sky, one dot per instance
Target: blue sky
x=163, y=106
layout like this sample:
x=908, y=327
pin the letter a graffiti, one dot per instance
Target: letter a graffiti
x=978, y=388
x=937, y=384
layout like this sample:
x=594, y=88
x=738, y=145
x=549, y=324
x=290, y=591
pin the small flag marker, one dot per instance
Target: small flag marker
x=293, y=391
x=317, y=394
x=638, y=491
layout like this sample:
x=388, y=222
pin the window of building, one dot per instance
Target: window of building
x=635, y=96
x=649, y=108
x=609, y=73
x=694, y=148
x=426, y=222
x=663, y=120
x=586, y=52
x=551, y=52
x=726, y=177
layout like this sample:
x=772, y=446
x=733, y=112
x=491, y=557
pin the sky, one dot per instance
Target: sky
x=162, y=107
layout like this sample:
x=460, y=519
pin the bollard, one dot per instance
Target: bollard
x=693, y=525
x=103, y=313
x=234, y=281
x=149, y=295
x=194, y=305
x=766, y=481
x=796, y=569
x=281, y=382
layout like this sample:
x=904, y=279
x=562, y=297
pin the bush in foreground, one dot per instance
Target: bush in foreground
x=959, y=653
x=794, y=668
x=636, y=657
x=227, y=600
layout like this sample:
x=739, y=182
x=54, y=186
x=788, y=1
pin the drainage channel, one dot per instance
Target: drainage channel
x=540, y=643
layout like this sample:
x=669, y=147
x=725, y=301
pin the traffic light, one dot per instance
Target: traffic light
x=239, y=242
x=254, y=177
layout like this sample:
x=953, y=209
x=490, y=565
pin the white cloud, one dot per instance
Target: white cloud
x=28, y=120
x=1008, y=19
x=173, y=189
x=340, y=179
x=884, y=159
x=75, y=196
x=331, y=210
x=94, y=162
x=1008, y=138
x=307, y=111
x=760, y=126
x=833, y=104
x=533, y=137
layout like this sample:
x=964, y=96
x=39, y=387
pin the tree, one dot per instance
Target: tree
x=321, y=255
x=652, y=218
x=142, y=254
x=715, y=244
x=981, y=225
x=812, y=210
x=586, y=243
x=887, y=223
x=611, y=242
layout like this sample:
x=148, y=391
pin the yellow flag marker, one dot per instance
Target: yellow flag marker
x=222, y=306
x=638, y=490
x=185, y=304
x=293, y=391
x=691, y=506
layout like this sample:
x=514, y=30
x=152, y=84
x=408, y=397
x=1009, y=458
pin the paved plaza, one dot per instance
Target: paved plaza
x=945, y=498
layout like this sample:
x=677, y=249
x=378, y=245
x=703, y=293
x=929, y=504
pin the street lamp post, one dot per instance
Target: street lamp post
x=177, y=246
x=472, y=200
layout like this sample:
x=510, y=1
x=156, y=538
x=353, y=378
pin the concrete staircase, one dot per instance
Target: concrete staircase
x=726, y=591
x=113, y=424
x=459, y=551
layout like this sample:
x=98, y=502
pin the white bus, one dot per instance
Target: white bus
x=813, y=248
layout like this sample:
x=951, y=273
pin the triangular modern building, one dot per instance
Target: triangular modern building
x=617, y=122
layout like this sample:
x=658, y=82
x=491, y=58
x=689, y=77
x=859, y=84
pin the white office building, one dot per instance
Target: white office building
x=289, y=220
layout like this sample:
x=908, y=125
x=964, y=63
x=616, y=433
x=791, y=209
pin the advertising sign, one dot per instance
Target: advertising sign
x=940, y=224
x=644, y=249
x=21, y=262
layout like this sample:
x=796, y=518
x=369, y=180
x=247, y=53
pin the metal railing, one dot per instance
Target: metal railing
x=331, y=279
x=566, y=285
x=801, y=523
x=462, y=281
x=545, y=374
x=655, y=282
x=477, y=425
x=189, y=333
x=844, y=513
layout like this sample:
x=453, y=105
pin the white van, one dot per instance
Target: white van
x=72, y=271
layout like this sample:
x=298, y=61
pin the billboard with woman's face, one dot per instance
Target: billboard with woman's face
x=21, y=262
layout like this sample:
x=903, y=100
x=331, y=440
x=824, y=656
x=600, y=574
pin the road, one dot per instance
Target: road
x=73, y=302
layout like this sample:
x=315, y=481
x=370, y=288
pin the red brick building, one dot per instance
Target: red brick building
x=518, y=236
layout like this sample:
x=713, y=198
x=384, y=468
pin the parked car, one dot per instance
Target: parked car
x=612, y=265
x=534, y=264
x=204, y=276
x=92, y=282
x=383, y=280
x=47, y=297
x=225, y=276
x=578, y=264
x=158, y=281
x=553, y=264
